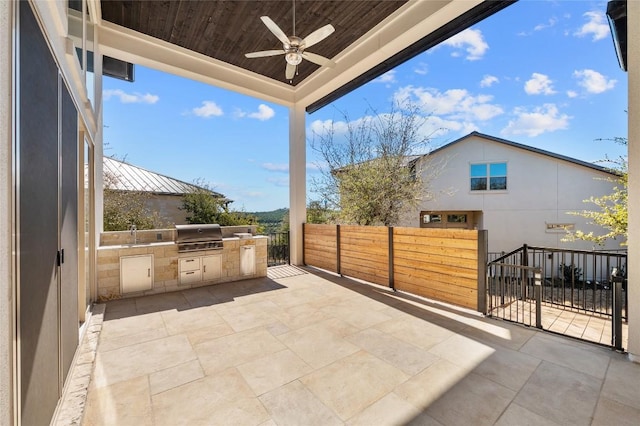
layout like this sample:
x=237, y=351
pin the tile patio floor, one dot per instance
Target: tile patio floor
x=316, y=349
x=574, y=323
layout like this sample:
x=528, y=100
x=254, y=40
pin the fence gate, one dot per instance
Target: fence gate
x=576, y=293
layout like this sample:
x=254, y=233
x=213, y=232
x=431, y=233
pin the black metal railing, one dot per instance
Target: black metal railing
x=278, y=249
x=577, y=279
x=515, y=293
x=592, y=282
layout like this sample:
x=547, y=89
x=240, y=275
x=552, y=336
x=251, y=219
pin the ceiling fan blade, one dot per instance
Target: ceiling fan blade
x=317, y=59
x=290, y=71
x=264, y=53
x=275, y=29
x=318, y=35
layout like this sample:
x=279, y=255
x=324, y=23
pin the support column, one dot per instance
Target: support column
x=7, y=320
x=633, y=66
x=297, y=180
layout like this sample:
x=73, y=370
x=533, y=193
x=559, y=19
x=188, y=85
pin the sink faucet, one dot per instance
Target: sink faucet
x=134, y=232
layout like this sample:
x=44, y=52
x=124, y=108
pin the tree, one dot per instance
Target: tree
x=368, y=177
x=612, y=208
x=121, y=209
x=317, y=212
x=205, y=206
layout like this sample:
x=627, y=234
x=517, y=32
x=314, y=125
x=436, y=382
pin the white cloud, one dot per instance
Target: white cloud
x=550, y=23
x=596, y=26
x=454, y=110
x=130, y=98
x=320, y=127
x=208, y=109
x=542, y=119
x=593, y=81
x=572, y=94
x=539, y=84
x=422, y=69
x=454, y=104
x=471, y=41
x=488, y=80
x=387, y=78
x=264, y=113
x=279, y=181
x=274, y=167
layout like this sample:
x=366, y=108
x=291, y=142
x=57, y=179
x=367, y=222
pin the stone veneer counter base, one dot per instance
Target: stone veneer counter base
x=165, y=265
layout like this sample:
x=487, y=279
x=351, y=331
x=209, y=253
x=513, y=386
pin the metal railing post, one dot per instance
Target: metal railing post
x=616, y=320
x=524, y=262
x=537, y=292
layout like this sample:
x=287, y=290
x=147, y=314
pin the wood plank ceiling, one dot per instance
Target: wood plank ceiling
x=227, y=29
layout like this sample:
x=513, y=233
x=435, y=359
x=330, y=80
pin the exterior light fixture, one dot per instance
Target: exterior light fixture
x=617, y=16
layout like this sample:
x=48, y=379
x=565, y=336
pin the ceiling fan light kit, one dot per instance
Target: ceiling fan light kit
x=293, y=58
x=293, y=48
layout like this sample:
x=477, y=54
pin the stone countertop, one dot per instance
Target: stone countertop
x=169, y=243
x=137, y=245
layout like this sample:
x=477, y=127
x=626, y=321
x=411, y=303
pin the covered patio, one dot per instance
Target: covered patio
x=300, y=349
x=308, y=347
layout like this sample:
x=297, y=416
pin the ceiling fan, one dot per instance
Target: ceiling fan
x=293, y=47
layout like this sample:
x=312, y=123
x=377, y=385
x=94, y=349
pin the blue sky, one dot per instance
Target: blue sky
x=541, y=73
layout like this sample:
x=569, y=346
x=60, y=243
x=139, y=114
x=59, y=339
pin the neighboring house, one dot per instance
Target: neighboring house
x=165, y=193
x=520, y=194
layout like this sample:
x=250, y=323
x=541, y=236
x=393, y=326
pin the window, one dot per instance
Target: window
x=431, y=218
x=560, y=227
x=457, y=218
x=488, y=176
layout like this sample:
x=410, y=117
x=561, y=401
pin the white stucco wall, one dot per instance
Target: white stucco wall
x=540, y=189
x=6, y=299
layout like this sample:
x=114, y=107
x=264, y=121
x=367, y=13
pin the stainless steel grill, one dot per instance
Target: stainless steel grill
x=198, y=237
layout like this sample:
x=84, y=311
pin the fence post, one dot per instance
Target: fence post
x=338, y=250
x=524, y=261
x=537, y=292
x=391, y=272
x=616, y=320
x=483, y=251
x=289, y=247
x=288, y=259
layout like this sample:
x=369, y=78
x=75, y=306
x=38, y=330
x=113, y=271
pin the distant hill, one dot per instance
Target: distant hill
x=272, y=221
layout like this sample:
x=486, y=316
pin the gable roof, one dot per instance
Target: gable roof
x=527, y=148
x=127, y=177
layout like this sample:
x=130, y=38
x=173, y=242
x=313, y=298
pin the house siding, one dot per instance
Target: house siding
x=541, y=189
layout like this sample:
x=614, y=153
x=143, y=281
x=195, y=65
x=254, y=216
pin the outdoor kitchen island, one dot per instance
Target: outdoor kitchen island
x=134, y=263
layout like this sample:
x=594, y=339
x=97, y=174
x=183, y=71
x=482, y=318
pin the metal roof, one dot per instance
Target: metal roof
x=122, y=176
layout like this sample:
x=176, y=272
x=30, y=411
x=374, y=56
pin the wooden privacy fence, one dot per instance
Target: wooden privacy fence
x=441, y=264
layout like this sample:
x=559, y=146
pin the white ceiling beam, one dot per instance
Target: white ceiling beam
x=131, y=46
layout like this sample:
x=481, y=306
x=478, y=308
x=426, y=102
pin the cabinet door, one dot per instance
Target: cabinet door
x=247, y=260
x=211, y=267
x=136, y=273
